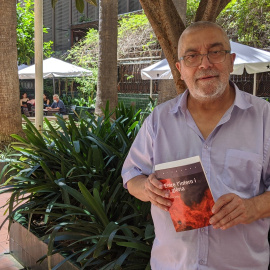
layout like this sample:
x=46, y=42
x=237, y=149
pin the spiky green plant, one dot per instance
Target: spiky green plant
x=68, y=185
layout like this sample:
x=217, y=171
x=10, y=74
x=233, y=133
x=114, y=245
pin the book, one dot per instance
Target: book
x=191, y=196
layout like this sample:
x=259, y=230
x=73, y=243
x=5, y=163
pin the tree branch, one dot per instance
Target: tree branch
x=208, y=10
x=222, y=5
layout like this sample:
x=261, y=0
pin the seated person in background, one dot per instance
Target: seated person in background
x=31, y=101
x=57, y=104
x=31, y=105
x=23, y=103
x=46, y=101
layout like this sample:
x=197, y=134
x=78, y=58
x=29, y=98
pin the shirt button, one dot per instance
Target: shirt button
x=201, y=262
x=206, y=146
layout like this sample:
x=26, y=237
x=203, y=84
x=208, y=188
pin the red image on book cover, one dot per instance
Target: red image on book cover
x=190, y=194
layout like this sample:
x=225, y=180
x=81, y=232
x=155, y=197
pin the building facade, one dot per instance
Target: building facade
x=66, y=25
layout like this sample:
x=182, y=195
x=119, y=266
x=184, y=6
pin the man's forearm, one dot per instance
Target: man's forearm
x=262, y=205
x=136, y=187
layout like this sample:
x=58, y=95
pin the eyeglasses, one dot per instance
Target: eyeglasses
x=195, y=59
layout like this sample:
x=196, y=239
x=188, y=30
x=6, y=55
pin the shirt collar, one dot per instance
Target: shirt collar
x=240, y=98
x=240, y=101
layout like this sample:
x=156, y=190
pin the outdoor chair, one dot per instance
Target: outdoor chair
x=32, y=111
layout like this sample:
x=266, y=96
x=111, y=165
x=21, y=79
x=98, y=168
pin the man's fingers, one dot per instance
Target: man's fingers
x=222, y=201
x=156, y=193
x=154, y=181
x=236, y=211
x=160, y=202
x=222, y=210
x=156, y=186
x=159, y=197
x=228, y=220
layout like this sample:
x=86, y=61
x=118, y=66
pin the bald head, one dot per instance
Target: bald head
x=196, y=27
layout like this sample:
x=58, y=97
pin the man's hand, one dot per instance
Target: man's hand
x=230, y=210
x=156, y=193
x=150, y=189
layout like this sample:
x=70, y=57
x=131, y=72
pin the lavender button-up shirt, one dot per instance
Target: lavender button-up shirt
x=236, y=159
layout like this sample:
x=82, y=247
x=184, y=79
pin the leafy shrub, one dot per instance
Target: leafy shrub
x=69, y=188
x=25, y=33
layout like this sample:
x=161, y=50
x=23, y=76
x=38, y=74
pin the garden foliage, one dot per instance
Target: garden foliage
x=25, y=33
x=68, y=188
x=135, y=38
x=247, y=21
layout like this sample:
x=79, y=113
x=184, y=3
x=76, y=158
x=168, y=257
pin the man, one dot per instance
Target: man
x=230, y=131
x=58, y=104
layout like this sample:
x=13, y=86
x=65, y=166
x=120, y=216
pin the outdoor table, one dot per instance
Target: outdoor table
x=50, y=111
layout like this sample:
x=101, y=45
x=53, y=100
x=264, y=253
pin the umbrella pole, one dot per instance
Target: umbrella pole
x=53, y=85
x=39, y=64
x=254, y=84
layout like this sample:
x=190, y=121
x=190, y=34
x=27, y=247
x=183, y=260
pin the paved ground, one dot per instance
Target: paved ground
x=50, y=118
x=7, y=262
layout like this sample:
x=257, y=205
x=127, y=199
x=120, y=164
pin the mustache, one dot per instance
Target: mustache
x=204, y=73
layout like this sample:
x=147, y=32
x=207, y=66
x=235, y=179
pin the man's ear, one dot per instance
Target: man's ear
x=178, y=66
x=233, y=56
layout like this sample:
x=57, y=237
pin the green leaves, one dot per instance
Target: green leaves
x=69, y=180
x=249, y=20
x=25, y=32
x=80, y=4
x=92, y=2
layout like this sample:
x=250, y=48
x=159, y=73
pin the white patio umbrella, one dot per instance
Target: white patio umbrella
x=249, y=58
x=55, y=68
x=22, y=66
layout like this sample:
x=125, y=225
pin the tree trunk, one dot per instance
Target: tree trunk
x=167, y=88
x=10, y=118
x=181, y=7
x=168, y=26
x=107, y=62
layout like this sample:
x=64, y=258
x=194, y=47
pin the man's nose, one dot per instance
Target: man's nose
x=205, y=63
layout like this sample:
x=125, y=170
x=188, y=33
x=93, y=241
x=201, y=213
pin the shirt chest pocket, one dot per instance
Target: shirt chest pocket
x=242, y=172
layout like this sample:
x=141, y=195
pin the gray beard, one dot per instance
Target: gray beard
x=207, y=97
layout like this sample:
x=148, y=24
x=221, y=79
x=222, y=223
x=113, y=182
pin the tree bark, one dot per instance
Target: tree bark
x=107, y=62
x=208, y=10
x=167, y=88
x=181, y=7
x=167, y=26
x=10, y=117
